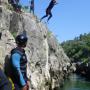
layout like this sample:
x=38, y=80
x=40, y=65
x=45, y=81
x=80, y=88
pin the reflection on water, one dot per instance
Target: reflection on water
x=76, y=83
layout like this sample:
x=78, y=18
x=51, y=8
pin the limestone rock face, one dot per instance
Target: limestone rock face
x=4, y=1
x=7, y=41
x=48, y=65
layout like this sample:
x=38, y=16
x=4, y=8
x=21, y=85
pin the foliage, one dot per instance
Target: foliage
x=14, y=34
x=25, y=8
x=9, y=7
x=49, y=33
x=78, y=49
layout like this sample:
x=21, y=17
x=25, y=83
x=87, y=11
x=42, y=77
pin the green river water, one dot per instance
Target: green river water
x=76, y=82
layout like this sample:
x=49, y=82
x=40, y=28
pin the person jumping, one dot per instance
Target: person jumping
x=48, y=10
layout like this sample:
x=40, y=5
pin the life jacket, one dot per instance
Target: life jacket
x=11, y=72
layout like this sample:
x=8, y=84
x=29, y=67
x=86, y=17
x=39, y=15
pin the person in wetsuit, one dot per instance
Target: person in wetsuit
x=18, y=64
x=32, y=6
x=48, y=10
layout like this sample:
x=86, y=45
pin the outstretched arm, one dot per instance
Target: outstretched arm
x=55, y=3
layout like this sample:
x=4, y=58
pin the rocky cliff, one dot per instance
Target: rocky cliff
x=48, y=65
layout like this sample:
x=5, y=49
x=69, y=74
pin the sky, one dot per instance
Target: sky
x=70, y=17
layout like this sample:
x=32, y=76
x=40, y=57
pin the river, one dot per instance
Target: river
x=76, y=82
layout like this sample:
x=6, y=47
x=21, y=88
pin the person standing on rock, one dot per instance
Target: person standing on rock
x=32, y=6
x=48, y=10
x=18, y=64
x=15, y=4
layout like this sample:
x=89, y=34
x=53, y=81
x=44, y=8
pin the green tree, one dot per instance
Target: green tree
x=79, y=48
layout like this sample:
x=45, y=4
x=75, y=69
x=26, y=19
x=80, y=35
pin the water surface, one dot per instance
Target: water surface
x=76, y=82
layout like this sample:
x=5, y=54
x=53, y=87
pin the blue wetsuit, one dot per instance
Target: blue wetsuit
x=18, y=66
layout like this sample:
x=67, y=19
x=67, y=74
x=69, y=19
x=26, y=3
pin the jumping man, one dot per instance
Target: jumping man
x=48, y=10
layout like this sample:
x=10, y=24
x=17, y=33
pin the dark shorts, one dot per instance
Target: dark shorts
x=48, y=11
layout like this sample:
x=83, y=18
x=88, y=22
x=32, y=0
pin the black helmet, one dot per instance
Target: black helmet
x=21, y=39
